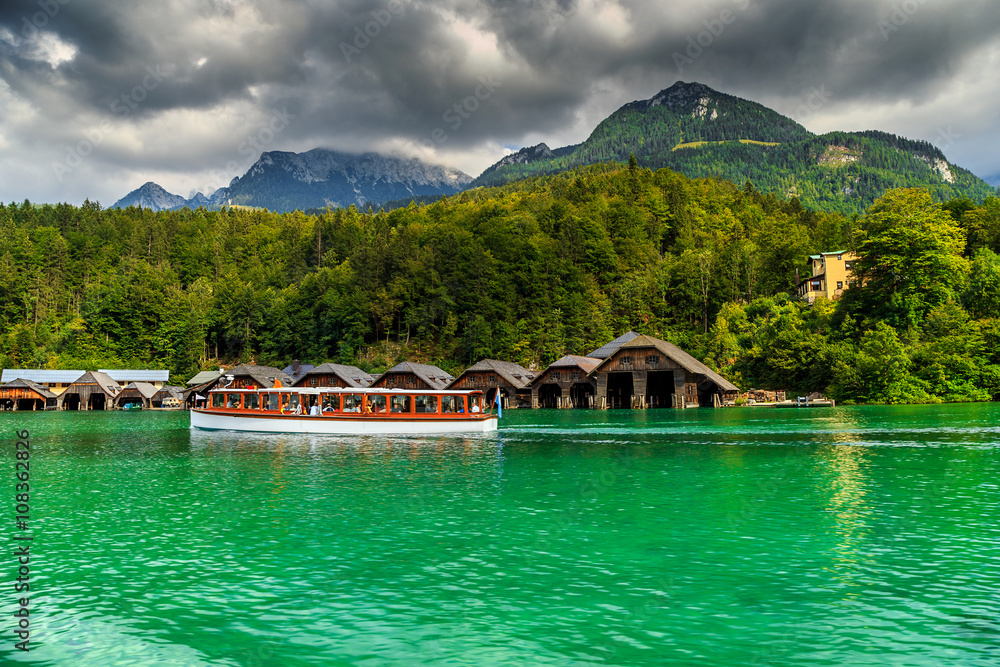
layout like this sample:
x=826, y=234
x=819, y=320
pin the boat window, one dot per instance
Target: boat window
x=376, y=403
x=476, y=403
x=233, y=401
x=273, y=402
x=331, y=402
x=252, y=402
x=399, y=404
x=352, y=402
x=426, y=403
x=218, y=400
x=450, y=404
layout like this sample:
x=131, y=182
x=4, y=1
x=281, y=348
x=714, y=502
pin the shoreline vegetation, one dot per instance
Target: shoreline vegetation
x=526, y=272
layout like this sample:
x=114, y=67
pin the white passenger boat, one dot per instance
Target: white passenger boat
x=338, y=411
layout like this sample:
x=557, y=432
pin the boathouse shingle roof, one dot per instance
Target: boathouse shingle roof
x=263, y=375
x=432, y=375
x=103, y=382
x=513, y=374
x=351, y=375
x=145, y=389
x=297, y=371
x=609, y=349
x=204, y=376
x=586, y=364
x=21, y=383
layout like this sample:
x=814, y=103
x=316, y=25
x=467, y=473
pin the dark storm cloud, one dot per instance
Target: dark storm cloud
x=360, y=73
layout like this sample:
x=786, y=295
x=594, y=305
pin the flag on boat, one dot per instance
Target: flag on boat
x=499, y=407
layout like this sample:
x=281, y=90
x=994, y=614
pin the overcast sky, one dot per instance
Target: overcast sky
x=99, y=96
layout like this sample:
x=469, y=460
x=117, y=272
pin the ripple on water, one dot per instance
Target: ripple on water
x=827, y=537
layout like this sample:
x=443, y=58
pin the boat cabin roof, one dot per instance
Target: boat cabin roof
x=343, y=390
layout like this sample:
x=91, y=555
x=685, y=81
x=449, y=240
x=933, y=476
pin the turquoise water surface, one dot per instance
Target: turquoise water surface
x=848, y=536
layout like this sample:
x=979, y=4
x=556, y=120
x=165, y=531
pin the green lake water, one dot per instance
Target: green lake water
x=848, y=536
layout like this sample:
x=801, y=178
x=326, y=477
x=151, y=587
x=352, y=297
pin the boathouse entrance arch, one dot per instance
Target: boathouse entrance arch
x=98, y=401
x=620, y=390
x=549, y=396
x=581, y=394
x=660, y=389
x=71, y=401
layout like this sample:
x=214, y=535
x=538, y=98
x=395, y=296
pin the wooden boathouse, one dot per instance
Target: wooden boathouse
x=27, y=395
x=335, y=375
x=565, y=384
x=168, y=398
x=411, y=376
x=647, y=372
x=136, y=393
x=489, y=375
x=93, y=391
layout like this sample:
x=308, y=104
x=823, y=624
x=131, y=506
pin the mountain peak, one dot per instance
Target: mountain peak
x=152, y=196
x=682, y=94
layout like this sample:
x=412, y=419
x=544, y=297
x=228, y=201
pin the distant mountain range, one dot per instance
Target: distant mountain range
x=283, y=181
x=687, y=127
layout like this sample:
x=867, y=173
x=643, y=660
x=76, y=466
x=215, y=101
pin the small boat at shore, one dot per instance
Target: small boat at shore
x=336, y=411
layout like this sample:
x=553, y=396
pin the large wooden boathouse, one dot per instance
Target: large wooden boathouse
x=92, y=391
x=647, y=372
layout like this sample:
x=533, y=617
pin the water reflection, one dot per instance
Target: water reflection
x=849, y=507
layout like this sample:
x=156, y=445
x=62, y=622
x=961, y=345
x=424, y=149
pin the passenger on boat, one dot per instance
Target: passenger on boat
x=314, y=411
x=475, y=408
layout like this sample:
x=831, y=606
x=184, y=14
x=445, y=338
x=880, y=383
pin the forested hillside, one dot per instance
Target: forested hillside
x=527, y=273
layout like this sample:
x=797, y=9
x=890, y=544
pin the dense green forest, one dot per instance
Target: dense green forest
x=526, y=272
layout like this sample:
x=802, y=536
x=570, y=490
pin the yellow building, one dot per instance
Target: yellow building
x=831, y=275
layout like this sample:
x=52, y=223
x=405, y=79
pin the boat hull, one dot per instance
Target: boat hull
x=340, y=424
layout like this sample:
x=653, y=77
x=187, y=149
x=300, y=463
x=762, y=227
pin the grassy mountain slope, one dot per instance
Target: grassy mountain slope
x=700, y=132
